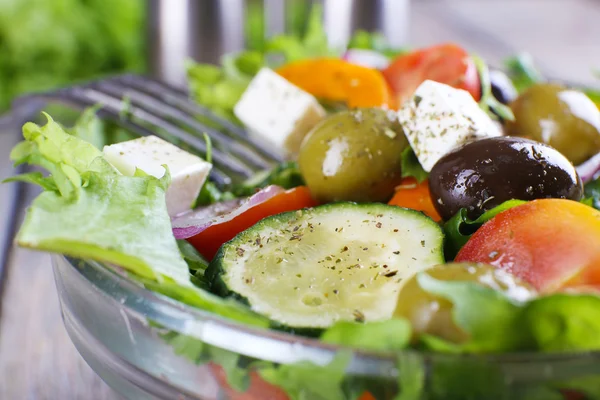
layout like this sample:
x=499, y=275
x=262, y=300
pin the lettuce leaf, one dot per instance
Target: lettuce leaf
x=305, y=380
x=459, y=229
x=494, y=326
x=390, y=335
x=95, y=212
x=565, y=322
x=90, y=211
x=375, y=41
x=286, y=175
x=592, y=193
x=411, y=167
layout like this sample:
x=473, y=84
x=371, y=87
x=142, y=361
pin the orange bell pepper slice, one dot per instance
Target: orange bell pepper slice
x=338, y=80
x=416, y=196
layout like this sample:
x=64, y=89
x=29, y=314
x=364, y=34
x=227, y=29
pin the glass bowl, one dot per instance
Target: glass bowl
x=147, y=346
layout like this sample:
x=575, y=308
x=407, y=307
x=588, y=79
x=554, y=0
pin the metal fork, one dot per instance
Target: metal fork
x=145, y=106
x=142, y=106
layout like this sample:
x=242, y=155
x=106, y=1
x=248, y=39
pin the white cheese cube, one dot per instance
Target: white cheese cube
x=439, y=118
x=149, y=154
x=278, y=113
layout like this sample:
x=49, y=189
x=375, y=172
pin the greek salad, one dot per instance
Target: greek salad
x=427, y=201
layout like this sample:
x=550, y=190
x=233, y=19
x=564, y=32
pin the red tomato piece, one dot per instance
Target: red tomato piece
x=444, y=63
x=208, y=241
x=551, y=243
x=366, y=396
x=259, y=389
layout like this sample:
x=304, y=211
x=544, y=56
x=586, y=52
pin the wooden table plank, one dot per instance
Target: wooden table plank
x=37, y=359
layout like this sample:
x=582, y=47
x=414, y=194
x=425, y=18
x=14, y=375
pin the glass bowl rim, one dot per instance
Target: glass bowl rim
x=321, y=352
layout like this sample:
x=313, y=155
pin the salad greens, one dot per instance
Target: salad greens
x=88, y=210
x=488, y=102
x=495, y=330
x=89, y=191
x=564, y=322
x=460, y=228
x=522, y=71
x=286, y=175
x=219, y=88
x=375, y=41
x=326, y=381
x=390, y=335
x=411, y=167
x=592, y=193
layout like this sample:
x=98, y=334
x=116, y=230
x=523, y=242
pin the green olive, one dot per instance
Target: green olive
x=353, y=155
x=432, y=314
x=566, y=119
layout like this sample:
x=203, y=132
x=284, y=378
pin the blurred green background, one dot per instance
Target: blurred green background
x=50, y=43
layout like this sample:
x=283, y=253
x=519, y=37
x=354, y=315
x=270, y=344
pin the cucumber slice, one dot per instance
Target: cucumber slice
x=342, y=261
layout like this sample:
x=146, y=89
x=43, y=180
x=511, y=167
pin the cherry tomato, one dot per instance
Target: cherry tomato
x=208, y=241
x=445, y=63
x=366, y=396
x=551, y=243
x=259, y=389
x=410, y=194
x=572, y=395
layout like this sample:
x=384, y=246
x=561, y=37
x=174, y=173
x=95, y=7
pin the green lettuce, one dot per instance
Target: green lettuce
x=495, y=325
x=305, y=380
x=95, y=212
x=565, y=322
x=375, y=41
x=390, y=335
x=459, y=229
x=592, y=194
x=89, y=210
x=411, y=167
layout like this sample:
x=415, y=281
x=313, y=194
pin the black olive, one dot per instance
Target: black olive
x=482, y=174
x=502, y=87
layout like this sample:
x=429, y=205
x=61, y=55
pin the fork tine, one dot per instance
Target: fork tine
x=180, y=99
x=224, y=161
x=66, y=97
x=168, y=112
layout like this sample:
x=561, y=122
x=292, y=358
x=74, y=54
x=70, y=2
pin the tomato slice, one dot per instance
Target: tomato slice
x=208, y=241
x=444, y=63
x=366, y=396
x=551, y=243
x=259, y=389
x=410, y=194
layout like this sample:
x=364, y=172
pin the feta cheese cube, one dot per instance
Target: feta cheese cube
x=149, y=154
x=439, y=118
x=278, y=113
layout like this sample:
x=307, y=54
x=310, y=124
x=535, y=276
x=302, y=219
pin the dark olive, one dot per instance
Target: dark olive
x=432, y=314
x=482, y=174
x=566, y=119
x=353, y=155
x=502, y=87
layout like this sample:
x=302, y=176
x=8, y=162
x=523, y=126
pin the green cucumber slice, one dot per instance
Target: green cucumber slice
x=342, y=261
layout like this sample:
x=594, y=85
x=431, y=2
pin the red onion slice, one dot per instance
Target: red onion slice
x=366, y=58
x=590, y=169
x=195, y=221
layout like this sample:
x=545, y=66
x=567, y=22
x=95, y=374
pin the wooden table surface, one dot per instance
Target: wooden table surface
x=37, y=359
